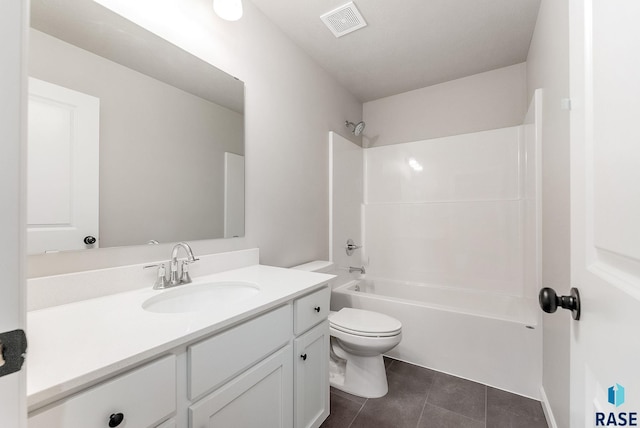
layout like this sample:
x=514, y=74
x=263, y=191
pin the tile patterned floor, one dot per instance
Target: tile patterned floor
x=423, y=398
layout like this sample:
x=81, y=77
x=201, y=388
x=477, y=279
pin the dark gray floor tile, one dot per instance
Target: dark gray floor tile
x=402, y=405
x=387, y=415
x=387, y=361
x=498, y=418
x=343, y=412
x=420, y=374
x=458, y=395
x=354, y=398
x=512, y=403
x=437, y=417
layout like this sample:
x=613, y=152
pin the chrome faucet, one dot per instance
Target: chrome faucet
x=173, y=267
x=184, y=278
x=357, y=269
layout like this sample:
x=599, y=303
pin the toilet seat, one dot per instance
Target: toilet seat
x=360, y=322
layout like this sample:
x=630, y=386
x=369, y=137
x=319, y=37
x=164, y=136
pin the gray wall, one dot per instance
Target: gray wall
x=291, y=105
x=490, y=100
x=161, y=149
x=548, y=68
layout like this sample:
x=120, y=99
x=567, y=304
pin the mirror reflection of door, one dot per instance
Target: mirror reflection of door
x=62, y=178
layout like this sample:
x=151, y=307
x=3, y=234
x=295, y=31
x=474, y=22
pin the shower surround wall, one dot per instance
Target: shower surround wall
x=449, y=211
x=346, y=170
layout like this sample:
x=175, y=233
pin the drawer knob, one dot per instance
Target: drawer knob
x=115, y=419
x=304, y=357
x=317, y=309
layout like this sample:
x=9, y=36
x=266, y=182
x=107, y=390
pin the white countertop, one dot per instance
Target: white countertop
x=78, y=344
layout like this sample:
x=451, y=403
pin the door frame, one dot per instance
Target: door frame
x=14, y=27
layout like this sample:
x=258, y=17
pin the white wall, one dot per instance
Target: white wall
x=490, y=100
x=448, y=211
x=548, y=68
x=346, y=169
x=290, y=105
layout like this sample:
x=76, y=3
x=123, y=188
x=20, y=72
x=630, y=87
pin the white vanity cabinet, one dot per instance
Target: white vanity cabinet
x=311, y=359
x=143, y=398
x=255, y=387
x=266, y=370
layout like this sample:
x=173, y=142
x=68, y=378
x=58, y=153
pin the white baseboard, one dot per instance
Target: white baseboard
x=546, y=407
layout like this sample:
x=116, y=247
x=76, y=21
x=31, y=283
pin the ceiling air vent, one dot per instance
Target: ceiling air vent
x=344, y=20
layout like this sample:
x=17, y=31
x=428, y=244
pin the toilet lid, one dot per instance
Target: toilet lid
x=364, y=323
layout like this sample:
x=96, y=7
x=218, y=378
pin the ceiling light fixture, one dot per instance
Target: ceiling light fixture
x=230, y=10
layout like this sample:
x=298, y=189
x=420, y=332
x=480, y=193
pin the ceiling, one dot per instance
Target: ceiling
x=409, y=44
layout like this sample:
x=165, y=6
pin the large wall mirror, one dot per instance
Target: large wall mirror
x=131, y=139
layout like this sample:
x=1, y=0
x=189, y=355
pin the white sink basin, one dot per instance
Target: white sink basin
x=200, y=297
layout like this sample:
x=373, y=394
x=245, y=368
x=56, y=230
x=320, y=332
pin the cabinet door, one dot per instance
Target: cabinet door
x=311, y=353
x=260, y=397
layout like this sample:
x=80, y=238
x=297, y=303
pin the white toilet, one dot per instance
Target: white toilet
x=358, y=340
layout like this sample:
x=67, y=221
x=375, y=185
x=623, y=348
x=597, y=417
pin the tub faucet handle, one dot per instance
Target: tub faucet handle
x=351, y=246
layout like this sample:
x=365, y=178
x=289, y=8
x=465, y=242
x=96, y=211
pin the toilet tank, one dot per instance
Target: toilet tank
x=321, y=266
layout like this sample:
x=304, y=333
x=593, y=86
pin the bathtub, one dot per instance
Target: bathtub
x=485, y=337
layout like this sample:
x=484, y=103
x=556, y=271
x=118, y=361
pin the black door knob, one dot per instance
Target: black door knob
x=317, y=309
x=89, y=240
x=115, y=419
x=549, y=301
x=304, y=357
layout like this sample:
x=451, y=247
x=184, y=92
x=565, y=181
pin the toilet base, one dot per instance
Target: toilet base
x=362, y=376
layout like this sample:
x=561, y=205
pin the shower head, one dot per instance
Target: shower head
x=357, y=127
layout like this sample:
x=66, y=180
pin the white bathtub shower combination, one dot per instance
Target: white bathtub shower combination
x=450, y=246
x=485, y=337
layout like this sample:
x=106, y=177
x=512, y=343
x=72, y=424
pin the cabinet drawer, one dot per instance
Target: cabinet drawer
x=310, y=310
x=214, y=361
x=144, y=396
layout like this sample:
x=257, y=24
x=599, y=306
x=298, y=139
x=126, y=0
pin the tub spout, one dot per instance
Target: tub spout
x=357, y=269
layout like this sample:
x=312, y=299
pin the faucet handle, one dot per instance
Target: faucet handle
x=185, y=278
x=161, y=280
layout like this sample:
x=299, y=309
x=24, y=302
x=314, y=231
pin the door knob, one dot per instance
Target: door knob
x=115, y=419
x=89, y=240
x=549, y=301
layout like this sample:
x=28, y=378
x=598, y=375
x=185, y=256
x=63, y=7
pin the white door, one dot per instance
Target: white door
x=13, y=32
x=62, y=178
x=605, y=211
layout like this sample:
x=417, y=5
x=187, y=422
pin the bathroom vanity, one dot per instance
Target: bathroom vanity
x=256, y=361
